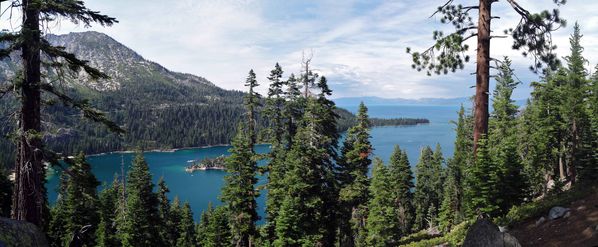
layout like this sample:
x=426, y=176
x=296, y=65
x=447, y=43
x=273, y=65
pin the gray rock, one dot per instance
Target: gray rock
x=557, y=212
x=582, y=207
x=567, y=214
x=484, y=233
x=502, y=228
x=540, y=221
x=20, y=233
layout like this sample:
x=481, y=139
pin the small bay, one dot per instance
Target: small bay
x=203, y=187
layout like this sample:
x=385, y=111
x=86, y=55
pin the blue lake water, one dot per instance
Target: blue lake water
x=203, y=187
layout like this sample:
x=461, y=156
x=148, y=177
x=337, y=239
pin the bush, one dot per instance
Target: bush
x=453, y=238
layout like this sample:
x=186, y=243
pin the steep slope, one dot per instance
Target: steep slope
x=158, y=108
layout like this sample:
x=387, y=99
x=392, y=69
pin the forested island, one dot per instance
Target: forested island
x=511, y=167
x=207, y=164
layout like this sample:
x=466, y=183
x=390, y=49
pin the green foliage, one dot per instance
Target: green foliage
x=106, y=233
x=482, y=181
x=306, y=215
x=428, y=188
x=239, y=191
x=353, y=166
x=186, y=228
x=453, y=238
x=141, y=226
x=382, y=222
x=401, y=184
x=511, y=183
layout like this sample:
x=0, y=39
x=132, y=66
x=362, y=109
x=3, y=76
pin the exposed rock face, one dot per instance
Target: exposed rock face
x=484, y=233
x=21, y=234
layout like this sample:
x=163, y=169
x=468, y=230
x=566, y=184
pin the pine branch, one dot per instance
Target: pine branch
x=73, y=63
x=76, y=11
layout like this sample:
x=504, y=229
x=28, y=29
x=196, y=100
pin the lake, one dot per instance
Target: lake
x=203, y=187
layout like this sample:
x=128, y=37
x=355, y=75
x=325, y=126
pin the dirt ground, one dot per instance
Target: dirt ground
x=579, y=229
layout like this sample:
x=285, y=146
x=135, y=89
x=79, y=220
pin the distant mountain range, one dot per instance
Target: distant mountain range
x=372, y=100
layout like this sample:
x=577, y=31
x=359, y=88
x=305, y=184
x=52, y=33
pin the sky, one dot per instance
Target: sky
x=359, y=45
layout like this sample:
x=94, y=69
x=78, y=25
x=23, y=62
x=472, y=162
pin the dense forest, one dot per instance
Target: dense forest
x=321, y=191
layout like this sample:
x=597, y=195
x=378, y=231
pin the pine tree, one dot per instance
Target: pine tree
x=175, y=219
x=106, y=234
x=186, y=228
x=58, y=216
x=142, y=222
x=579, y=132
x=213, y=229
x=275, y=111
x=307, y=212
x=503, y=141
x=452, y=208
x=427, y=195
x=239, y=191
x=293, y=109
x=29, y=196
x=401, y=183
x=382, y=224
x=449, y=52
x=167, y=234
x=353, y=168
x=81, y=203
x=482, y=181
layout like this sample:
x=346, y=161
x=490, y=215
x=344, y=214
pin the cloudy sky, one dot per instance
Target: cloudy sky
x=358, y=44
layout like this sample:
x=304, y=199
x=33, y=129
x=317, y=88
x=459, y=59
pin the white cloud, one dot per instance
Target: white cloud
x=359, y=45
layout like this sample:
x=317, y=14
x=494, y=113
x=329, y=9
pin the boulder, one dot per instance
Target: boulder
x=20, y=233
x=540, y=221
x=557, y=212
x=484, y=233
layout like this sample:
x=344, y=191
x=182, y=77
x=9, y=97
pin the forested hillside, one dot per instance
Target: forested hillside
x=158, y=108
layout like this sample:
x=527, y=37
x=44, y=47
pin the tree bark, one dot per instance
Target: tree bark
x=28, y=199
x=482, y=73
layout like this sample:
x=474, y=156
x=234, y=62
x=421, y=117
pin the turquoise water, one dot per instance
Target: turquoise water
x=203, y=187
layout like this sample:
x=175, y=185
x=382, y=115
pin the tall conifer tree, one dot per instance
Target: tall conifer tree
x=353, y=168
x=401, y=183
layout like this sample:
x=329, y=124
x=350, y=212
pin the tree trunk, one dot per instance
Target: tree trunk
x=482, y=73
x=28, y=198
x=574, y=148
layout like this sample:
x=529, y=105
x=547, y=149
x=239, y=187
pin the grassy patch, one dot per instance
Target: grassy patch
x=453, y=238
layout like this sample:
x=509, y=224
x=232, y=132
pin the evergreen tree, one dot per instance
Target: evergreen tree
x=252, y=102
x=106, y=234
x=293, y=108
x=275, y=112
x=168, y=232
x=541, y=134
x=579, y=132
x=213, y=229
x=449, y=52
x=482, y=181
x=58, y=217
x=401, y=183
x=503, y=141
x=81, y=203
x=175, y=218
x=353, y=169
x=427, y=195
x=306, y=215
x=29, y=193
x=382, y=222
x=239, y=191
x=142, y=222
x=186, y=228
x=451, y=210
